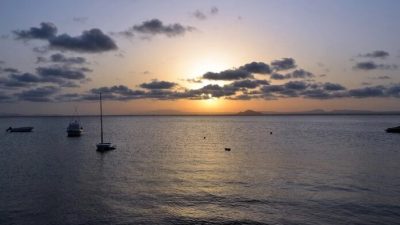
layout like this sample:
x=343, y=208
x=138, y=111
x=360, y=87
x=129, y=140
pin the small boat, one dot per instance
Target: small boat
x=19, y=129
x=393, y=130
x=103, y=146
x=74, y=129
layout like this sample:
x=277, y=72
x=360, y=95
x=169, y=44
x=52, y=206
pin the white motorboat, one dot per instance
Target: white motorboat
x=74, y=129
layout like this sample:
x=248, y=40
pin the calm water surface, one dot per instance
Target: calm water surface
x=311, y=170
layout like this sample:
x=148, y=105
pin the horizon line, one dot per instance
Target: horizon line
x=244, y=113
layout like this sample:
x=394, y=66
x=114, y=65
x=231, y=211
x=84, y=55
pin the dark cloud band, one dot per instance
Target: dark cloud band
x=90, y=41
x=156, y=26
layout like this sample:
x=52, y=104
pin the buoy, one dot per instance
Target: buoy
x=270, y=132
x=204, y=137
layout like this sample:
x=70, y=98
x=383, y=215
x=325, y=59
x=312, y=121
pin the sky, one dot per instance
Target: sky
x=198, y=56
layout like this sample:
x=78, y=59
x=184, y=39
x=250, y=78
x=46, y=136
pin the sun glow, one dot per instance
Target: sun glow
x=210, y=101
x=196, y=68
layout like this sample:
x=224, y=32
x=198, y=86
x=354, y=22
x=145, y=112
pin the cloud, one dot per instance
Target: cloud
x=200, y=15
x=90, y=41
x=93, y=95
x=316, y=94
x=198, y=81
x=5, y=97
x=376, y=54
x=278, y=76
x=123, y=93
x=377, y=91
x=300, y=73
x=393, y=91
x=25, y=78
x=304, y=89
x=233, y=74
x=249, y=83
x=290, y=89
x=256, y=67
x=329, y=91
x=41, y=50
x=213, y=90
x=383, y=78
x=283, y=64
x=16, y=80
x=296, y=85
x=370, y=65
x=63, y=72
x=155, y=84
x=68, y=97
x=333, y=87
x=54, y=75
x=156, y=26
x=243, y=97
x=129, y=34
x=9, y=70
x=243, y=72
x=118, y=92
x=214, y=10
x=60, y=58
x=296, y=74
x=41, y=94
x=45, y=31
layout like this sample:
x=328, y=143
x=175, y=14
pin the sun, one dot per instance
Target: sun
x=210, y=101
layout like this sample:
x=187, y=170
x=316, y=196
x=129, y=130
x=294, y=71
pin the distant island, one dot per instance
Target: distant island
x=250, y=113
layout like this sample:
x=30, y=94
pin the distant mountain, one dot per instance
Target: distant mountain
x=250, y=113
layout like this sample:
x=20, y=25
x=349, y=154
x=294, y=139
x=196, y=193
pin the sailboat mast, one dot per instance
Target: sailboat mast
x=101, y=118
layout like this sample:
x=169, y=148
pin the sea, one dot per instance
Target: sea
x=175, y=170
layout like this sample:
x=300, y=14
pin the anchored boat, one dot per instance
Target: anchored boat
x=74, y=129
x=103, y=146
x=393, y=130
x=20, y=129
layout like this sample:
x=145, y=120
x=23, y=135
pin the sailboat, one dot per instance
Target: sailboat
x=102, y=146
